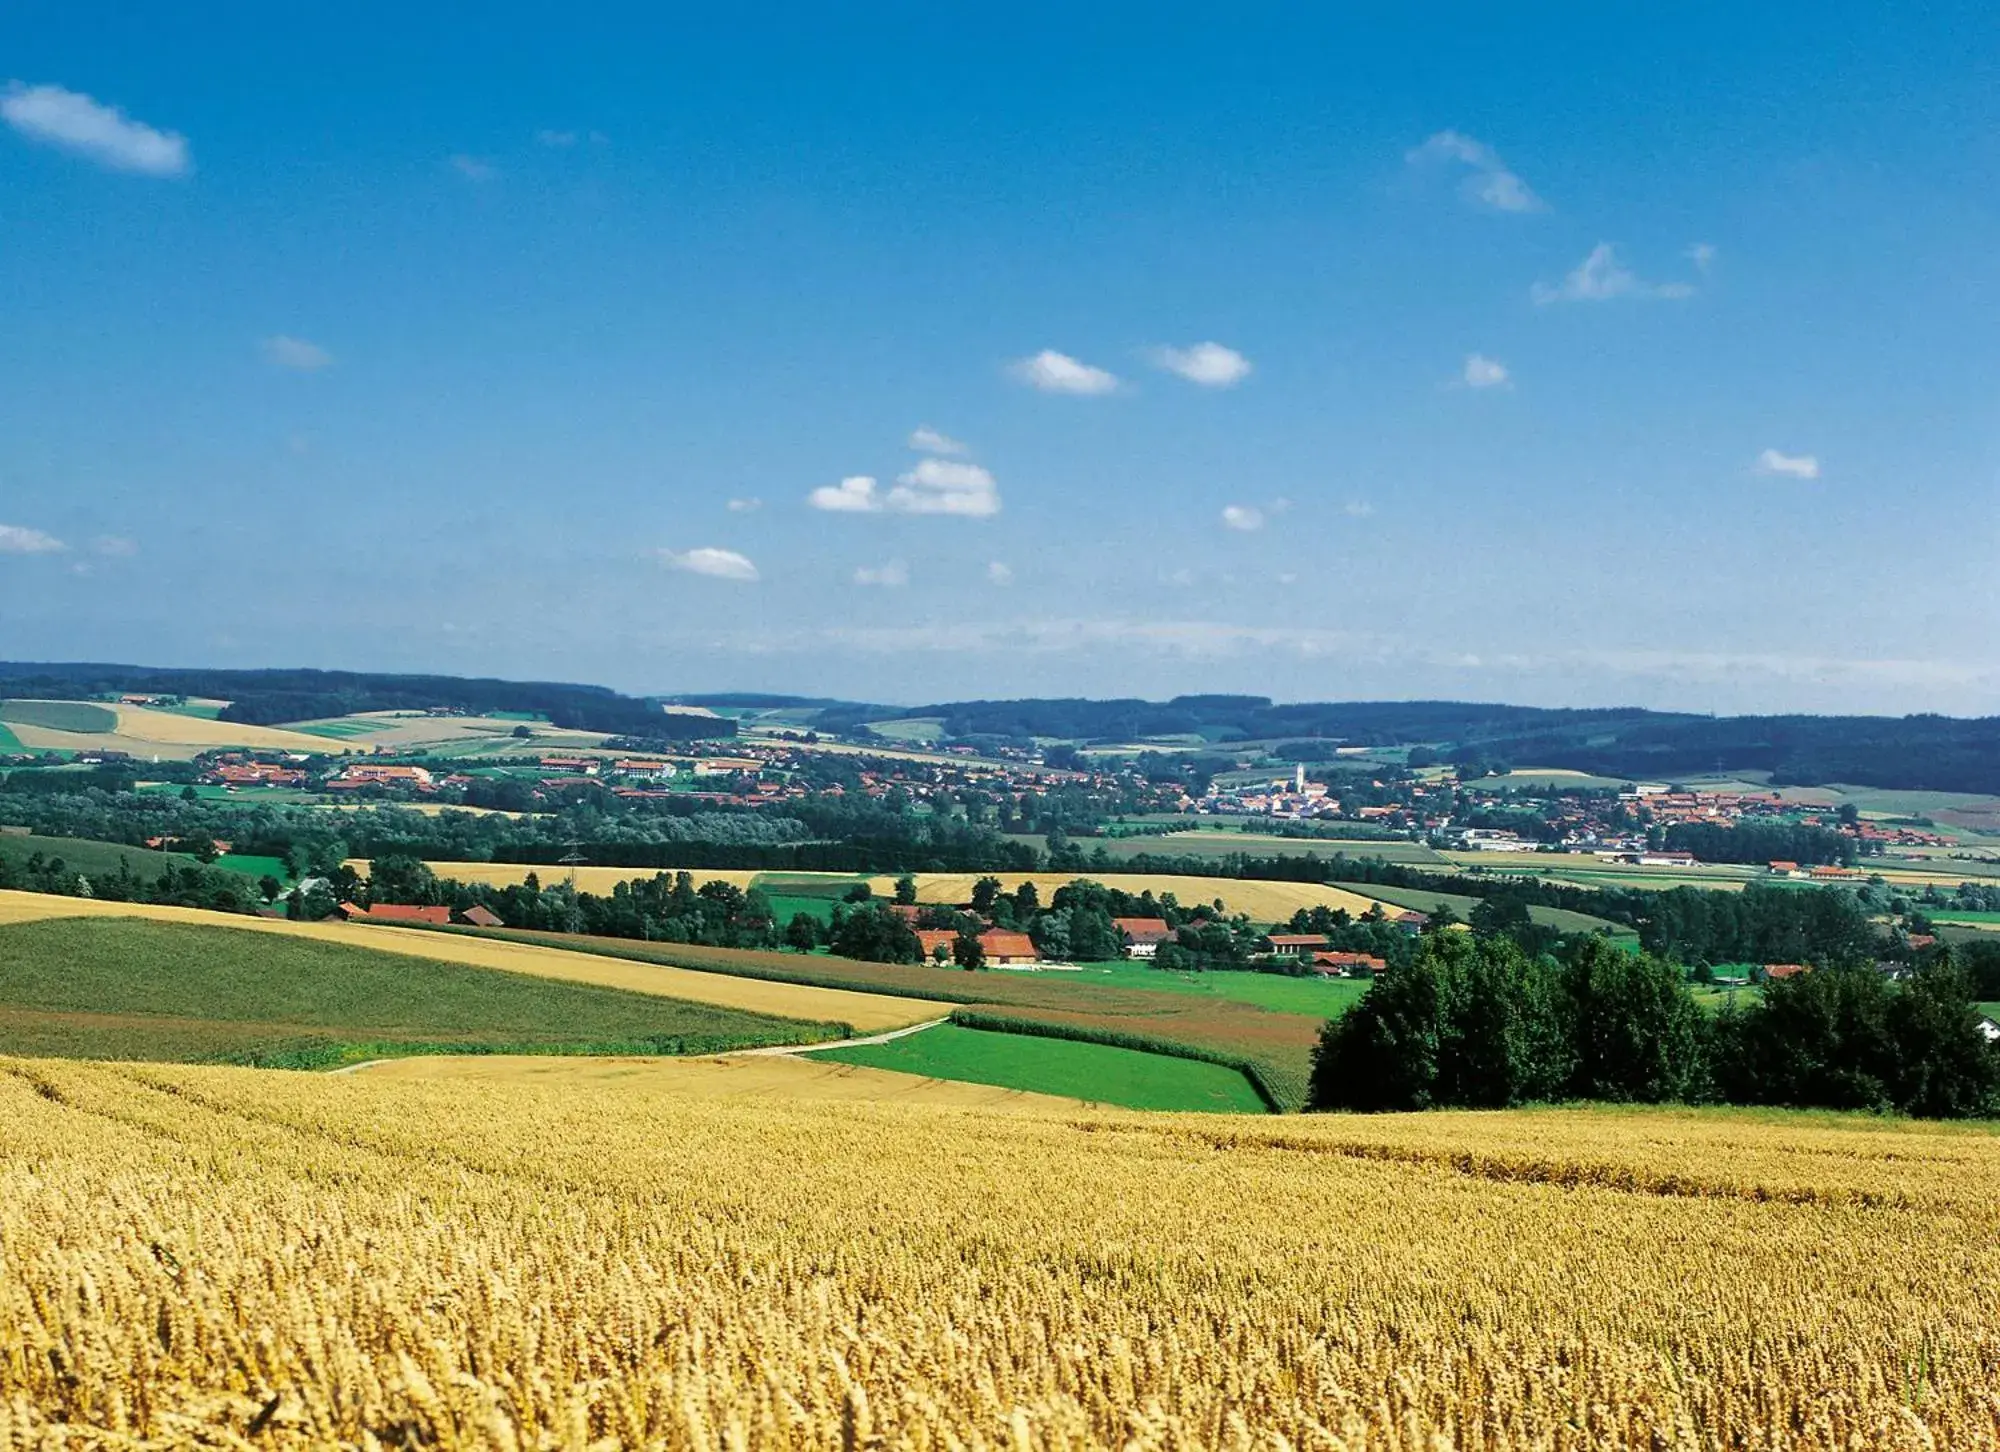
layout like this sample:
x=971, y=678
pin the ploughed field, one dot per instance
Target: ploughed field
x=207, y=1254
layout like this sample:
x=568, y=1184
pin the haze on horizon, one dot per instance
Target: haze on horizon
x=912, y=355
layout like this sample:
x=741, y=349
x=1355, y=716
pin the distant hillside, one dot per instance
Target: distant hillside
x=272, y=697
x=1933, y=753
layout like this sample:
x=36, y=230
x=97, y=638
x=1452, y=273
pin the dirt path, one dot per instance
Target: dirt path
x=770, y=1050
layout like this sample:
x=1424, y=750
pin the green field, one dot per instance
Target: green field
x=93, y=858
x=9, y=742
x=1219, y=844
x=79, y=716
x=1319, y=997
x=251, y=866
x=1097, y=1072
x=199, y=710
x=341, y=730
x=128, y=988
x=920, y=730
x=1547, y=779
x=786, y=906
x=1423, y=899
x=828, y=890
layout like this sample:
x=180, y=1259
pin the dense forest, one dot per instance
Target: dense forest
x=272, y=697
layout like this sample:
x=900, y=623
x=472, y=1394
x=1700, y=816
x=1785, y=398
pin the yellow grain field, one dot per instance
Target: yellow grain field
x=144, y=732
x=1263, y=901
x=867, y=1012
x=228, y=1257
x=735, y=1076
x=599, y=880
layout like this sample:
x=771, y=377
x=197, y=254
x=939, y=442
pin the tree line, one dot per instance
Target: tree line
x=1473, y=1021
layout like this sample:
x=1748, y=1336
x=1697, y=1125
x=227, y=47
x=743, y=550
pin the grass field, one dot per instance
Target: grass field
x=126, y=988
x=92, y=858
x=867, y=1012
x=1312, y=996
x=284, y=1260
x=1423, y=899
x=1278, y=1045
x=1218, y=844
x=9, y=742
x=785, y=907
x=81, y=718
x=1096, y=1072
x=251, y=865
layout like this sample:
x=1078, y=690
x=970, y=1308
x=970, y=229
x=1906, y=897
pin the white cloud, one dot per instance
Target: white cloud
x=1491, y=183
x=1054, y=372
x=999, y=573
x=927, y=440
x=1792, y=466
x=104, y=134
x=556, y=138
x=1242, y=516
x=1600, y=277
x=472, y=168
x=18, y=539
x=114, y=546
x=1357, y=509
x=296, y=353
x=715, y=563
x=745, y=506
x=1209, y=364
x=890, y=576
x=1484, y=372
x=852, y=495
x=941, y=486
x=1702, y=255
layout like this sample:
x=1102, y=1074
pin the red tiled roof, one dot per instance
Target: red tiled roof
x=395, y=912
x=1143, y=930
x=1786, y=970
x=1001, y=944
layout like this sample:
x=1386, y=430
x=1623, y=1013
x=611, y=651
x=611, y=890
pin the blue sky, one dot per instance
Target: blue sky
x=1562, y=358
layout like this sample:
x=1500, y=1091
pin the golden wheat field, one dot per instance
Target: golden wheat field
x=1262, y=901
x=866, y=1012
x=145, y=733
x=235, y=1257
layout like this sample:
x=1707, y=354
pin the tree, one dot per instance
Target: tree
x=860, y=892
x=270, y=887
x=968, y=952
x=906, y=890
x=1635, y=1031
x=984, y=892
x=875, y=935
x=521, y=733
x=802, y=932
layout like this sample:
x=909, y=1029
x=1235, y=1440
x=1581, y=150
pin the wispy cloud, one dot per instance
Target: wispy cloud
x=89, y=128
x=1209, y=364
x=852, y=495
x=1357, y=509
x=745, y=506
x=113, y=546
x=927, y=440
x=296, y=354
x=1484, y=372
x=890, y=576
x=1491, y=184
x=717, y=564
x=474, y=168
x=1601, y=277
x=998, y=572
x=1054, y=372
x=941, y=486
x=1702, y=255
x=18, y=539
x=556, y=138
x=1791, y=466
x=1245, y=517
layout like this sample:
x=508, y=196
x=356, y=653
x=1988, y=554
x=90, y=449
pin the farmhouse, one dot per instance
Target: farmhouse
x=366, y=774
x=395, y=912
x=1786, y=970
x=932, y=939
x=1143, y=936
x=481, y=917
x=1004, y=949
x=1348, y=965
x=1295, y=945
